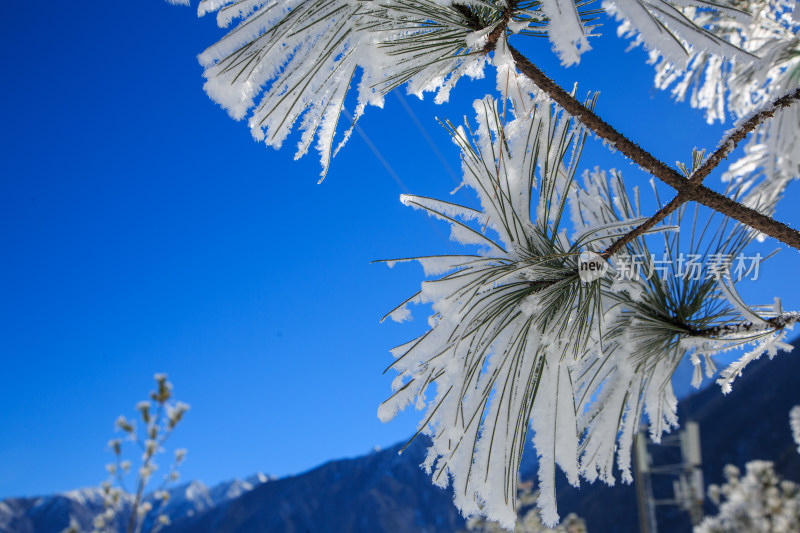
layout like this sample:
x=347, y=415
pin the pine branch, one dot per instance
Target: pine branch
x=775, y=323
x=600, y=127
x=729, y=144
x=693, y=191
x=641, y=229
x=697, y=177
x=491, y=42
x=688, y=189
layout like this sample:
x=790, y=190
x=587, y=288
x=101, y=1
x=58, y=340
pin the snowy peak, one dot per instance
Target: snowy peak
x=48, y=514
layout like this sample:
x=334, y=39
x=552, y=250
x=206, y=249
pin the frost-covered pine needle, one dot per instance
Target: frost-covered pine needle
x=518, y=341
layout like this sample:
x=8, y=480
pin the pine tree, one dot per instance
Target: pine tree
x=559, y=316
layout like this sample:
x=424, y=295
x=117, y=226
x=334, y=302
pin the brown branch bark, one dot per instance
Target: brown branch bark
x=601, y=128
x=725, y=148
x=641, y=229
x=729, y=143
x=693, y=191
x=688, y=189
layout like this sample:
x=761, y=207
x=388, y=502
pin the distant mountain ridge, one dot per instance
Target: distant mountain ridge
x=387, y=492
x=53, y=513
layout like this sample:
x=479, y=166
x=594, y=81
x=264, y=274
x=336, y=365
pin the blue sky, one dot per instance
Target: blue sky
x=142, y=230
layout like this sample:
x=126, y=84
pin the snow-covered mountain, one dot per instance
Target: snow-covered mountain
x=384, y=492
x=53, y=513
x=195, y=497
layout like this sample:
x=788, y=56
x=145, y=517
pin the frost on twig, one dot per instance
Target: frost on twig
x=723, y=86
x=794, y=423
x=127, y=508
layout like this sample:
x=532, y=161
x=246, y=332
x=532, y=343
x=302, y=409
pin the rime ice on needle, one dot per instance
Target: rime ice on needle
x=293, y=61
x=497, y=351
x=518, y=340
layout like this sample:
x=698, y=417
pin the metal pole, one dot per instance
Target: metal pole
x=644, y=496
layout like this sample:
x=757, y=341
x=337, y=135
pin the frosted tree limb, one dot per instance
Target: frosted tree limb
x=729, y=143
x=775, y=323
x=688, y=189
x=725, y=148
x=640, y=230
x=695, y=191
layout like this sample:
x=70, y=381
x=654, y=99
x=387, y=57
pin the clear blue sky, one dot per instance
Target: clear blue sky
x=142, y=230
